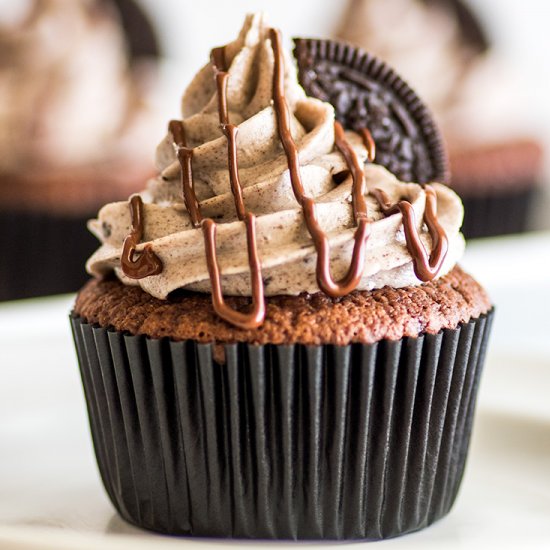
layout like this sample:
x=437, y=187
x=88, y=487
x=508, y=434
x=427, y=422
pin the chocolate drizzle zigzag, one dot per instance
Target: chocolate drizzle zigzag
x=425, y=267
x=185, y=155
x=324, y=278
x=367, y=93
x=147, y=263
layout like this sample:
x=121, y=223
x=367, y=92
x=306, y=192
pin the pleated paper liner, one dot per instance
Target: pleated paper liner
x=282, y=442
x=498, y=213
x=43, y=253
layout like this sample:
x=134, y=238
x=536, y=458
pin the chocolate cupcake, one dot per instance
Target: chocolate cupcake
x=443, y=51
x=278, y=342
x=75, y=132
x=498, y=186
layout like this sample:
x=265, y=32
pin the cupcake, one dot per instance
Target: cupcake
x=278, y=342
x=441, y=48
x=75, y=132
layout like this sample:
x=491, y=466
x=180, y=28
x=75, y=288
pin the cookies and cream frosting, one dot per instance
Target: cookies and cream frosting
x=173, y=232
x=66, y=93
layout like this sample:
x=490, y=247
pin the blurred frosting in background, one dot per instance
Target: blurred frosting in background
x=68, y=94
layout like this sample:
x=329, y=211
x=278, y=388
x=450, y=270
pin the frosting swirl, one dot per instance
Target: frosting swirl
x=285, y=247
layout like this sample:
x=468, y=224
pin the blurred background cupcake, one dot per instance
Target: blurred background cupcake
x=444, y=51
x=76, y=129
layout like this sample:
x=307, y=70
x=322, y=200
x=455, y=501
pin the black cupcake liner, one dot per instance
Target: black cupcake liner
x=43, y=253
x=282, y=442
x=498, y=213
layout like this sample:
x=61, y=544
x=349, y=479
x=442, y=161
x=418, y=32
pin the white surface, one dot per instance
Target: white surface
x=51, y=496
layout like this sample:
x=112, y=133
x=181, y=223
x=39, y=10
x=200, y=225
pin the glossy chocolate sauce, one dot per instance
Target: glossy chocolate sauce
x=143, y=264
x=230, y=131
x=425, y=267
x=324, y=278
x=368, y=142
x=147, y=263
x=185, y=158
x=255, y=317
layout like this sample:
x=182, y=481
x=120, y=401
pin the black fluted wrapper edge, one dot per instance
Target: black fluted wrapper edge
x=282, y=441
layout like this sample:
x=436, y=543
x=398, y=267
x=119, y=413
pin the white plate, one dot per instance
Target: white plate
x=51, y=496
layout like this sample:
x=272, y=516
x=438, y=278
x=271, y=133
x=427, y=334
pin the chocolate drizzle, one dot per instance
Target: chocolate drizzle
x=425, y=267
x=255, y=317
x=185, y=158
x=148, y=263
x=145, y=264
x=229, y=130
x=324, y=278
x=369, y=143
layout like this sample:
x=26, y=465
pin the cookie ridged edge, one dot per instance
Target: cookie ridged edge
x=378, y=70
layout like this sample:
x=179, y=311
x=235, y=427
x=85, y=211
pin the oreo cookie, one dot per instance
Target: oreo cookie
x=367, y=93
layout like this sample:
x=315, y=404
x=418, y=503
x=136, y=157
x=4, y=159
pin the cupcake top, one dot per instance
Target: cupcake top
x=440, y=49
x=67, y=94
x=260, y=193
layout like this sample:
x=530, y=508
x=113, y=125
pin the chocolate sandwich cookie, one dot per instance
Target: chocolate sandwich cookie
x=367, y=93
